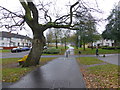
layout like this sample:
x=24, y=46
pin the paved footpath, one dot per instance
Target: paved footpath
x=62, y=72
x=59, y=73
x=113, y=59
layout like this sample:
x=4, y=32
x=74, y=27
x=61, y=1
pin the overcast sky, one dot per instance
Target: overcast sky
x=104, y=5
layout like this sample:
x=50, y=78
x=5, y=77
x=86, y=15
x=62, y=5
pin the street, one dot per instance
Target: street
x=21, y=54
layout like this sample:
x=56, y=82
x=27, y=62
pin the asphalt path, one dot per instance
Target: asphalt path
x=63, y=72
x=60, y=73
x=113, y=59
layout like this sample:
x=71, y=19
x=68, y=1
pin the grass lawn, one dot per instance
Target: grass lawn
x=88, y=51
x=11, y=72
x=5, y=51
x=89, y=60
x=99, y=76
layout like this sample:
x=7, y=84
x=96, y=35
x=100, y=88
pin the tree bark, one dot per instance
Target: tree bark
x=84, y=46
x=65, y=43
x=36, y=51
x=56, y=42
x=92, y=45
x=115, y=42
x=77, y=42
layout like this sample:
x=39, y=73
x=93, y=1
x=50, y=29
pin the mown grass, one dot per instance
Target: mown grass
x=89, y=60
x=8, y=61
x=89, y=51
x=5, y=51
x=11, y=72
x=100, y=76
x=14, y=74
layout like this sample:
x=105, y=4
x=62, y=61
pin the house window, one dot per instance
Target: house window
x=112, y=44
x=107, y=44
x=98, y=44
x=23, y=44
x=18, y=44
x=2, y=44
x=26, y=44
x=2, y=38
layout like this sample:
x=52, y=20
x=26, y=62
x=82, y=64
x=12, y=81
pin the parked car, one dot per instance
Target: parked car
x=14, y=50
x=25, y=48
x=45, y=47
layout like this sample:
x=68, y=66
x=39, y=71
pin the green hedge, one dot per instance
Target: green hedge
x=111, y=48
x=51, y=51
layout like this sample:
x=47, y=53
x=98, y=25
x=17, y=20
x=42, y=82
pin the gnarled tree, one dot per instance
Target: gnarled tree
x=31, y=17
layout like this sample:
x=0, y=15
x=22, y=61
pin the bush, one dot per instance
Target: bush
x=51, y=51
x=110, y=48
x=94, y=46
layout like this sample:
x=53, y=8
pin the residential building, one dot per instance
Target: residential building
x=104, y=42
x=8, y=39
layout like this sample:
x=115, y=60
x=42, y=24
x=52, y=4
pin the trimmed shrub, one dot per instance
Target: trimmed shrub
x=51, y=51
x=110, y=48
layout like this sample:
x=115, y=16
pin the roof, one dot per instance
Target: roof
x=12, y=35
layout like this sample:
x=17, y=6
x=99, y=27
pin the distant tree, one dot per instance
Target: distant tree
x=87, y=31
x=57, y=33
x=112, y=31
x=65, y=39
x=49, y=37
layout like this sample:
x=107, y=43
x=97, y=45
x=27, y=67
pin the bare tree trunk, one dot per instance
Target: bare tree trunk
x=36, y=52
x=56, y=42
x=115, y=42
x=84, y=46
x=92, y=45
x=77, y=42
x=65, y=43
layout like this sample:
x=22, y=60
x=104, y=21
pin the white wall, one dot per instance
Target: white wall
x=6, y=42
x=103, y=43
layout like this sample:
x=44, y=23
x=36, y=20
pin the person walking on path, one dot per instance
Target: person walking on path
x=79, y=52
x=67, y=53
x=97, y=54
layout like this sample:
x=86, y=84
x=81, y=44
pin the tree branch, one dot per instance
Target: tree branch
x=27, y=11
x=11, y=12
x=18, y=24
x=46, y=15
x=34, y=10
x=71, y=12
x=62, y=17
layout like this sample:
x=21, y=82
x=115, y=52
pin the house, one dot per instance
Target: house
x=8, y=39
x=104, y=42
